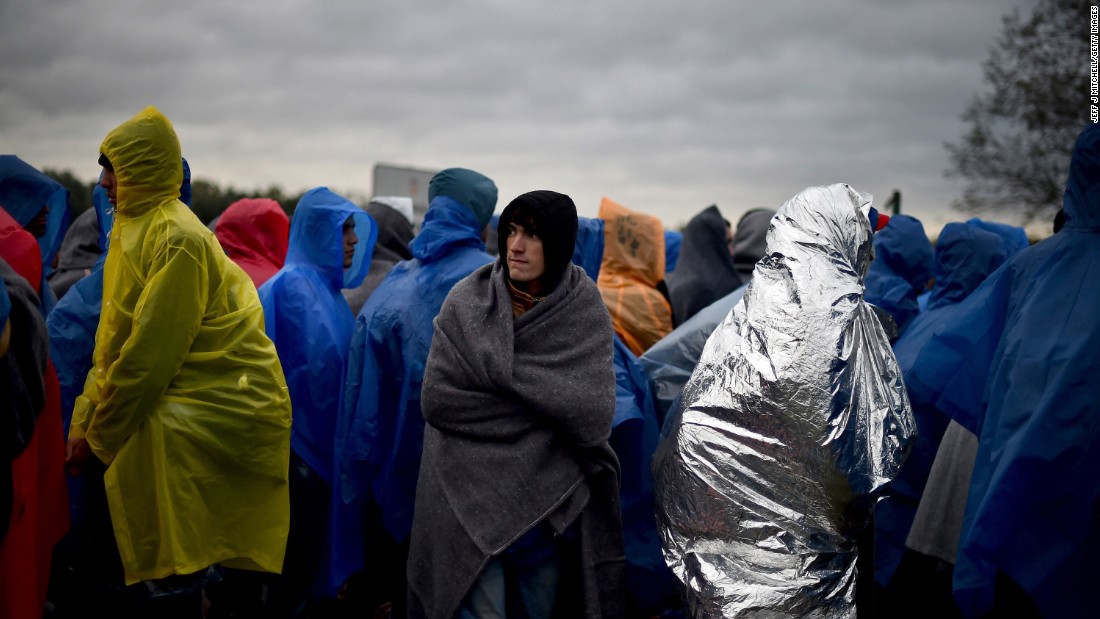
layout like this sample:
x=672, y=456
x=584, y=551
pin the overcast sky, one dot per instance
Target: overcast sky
x=665, y=107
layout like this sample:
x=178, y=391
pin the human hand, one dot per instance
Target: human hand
x=77, y=453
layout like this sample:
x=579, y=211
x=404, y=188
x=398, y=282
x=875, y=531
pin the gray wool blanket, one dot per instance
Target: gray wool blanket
x=518, y=414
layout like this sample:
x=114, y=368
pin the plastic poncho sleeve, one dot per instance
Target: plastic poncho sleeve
x=165, y=322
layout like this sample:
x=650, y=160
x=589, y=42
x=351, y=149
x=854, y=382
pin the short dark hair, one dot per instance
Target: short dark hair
x=524, y=215
x=105, y=162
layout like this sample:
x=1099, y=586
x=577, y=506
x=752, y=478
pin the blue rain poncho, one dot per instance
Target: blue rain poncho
x=1018, y=367
x=901, y=269
x=380, y=435
x=24, y=191
x=649, y=582
x=965, y=255
x=309, y=320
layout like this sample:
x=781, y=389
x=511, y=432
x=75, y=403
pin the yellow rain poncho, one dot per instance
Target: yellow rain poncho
x=633, y=265
x=186, y=403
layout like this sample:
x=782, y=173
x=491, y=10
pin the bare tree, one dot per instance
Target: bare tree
x=1014, y=156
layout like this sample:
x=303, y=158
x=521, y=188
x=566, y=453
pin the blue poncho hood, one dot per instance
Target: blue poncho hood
x=316, y=237
x=1014, y=237
x=448, y=225
x=965, y=255
x=901, y=269
x=1081, y=201
x=473, y=190
x=24, y=191
x=904, y=247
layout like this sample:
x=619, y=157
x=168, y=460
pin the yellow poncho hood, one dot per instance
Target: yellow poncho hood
x=145, y=154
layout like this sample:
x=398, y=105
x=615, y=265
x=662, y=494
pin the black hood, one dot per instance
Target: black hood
x=394, y=233
x=555, y=220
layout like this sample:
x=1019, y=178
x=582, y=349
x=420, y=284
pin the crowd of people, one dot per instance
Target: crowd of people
x=814, y=412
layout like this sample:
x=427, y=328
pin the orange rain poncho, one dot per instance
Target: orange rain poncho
x=186, y=403
x=633, y=265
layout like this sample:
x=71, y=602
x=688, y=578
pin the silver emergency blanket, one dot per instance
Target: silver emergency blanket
x=794, y=417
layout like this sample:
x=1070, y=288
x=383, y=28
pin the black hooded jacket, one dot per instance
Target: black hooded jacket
x=78, y=255
x=705, y=271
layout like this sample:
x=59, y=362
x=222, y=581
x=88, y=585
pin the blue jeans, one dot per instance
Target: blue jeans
x=535, y=584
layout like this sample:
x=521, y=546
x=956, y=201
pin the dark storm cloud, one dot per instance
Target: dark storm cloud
x=665, y=107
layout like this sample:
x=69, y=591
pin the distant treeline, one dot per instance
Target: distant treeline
x=208, y=199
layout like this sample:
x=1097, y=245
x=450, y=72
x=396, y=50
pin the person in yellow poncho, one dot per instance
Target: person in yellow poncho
x=186, y=405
